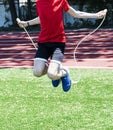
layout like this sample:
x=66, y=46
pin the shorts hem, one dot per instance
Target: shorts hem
x=41, y=59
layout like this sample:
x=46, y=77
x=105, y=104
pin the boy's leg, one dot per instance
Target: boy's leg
x=57, y=73
x=54, y=70
x=40, y=61
x=40, y=67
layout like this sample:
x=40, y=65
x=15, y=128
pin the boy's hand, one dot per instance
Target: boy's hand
x=101, y=14
x=22, y=24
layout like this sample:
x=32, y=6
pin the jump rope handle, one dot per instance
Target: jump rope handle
x=18, y=20
x=105, y=10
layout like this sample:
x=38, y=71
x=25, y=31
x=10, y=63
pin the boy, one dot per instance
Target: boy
x=52, y=39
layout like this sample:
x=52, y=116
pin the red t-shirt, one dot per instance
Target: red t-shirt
x=51, y=18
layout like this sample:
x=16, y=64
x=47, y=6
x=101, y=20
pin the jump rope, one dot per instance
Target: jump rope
x=76, y=48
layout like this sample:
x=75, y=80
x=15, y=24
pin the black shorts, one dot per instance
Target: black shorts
x=54, y=50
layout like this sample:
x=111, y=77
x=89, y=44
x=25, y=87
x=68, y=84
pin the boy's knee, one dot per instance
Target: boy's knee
x=40, y=67
x=37, y=73
x=52, y=75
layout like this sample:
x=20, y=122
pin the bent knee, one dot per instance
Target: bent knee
x=37, y=73
x=52, y=76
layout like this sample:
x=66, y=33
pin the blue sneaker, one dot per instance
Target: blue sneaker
x=55, y=83
x=66, y=82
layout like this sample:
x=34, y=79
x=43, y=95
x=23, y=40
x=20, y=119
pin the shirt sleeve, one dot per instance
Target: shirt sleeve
x=65, y=5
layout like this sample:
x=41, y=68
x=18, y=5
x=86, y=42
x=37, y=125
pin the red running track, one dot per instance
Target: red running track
x=95, y=52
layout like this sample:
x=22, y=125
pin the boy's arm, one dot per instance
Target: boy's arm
x=34, y=21
x=80, y=14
